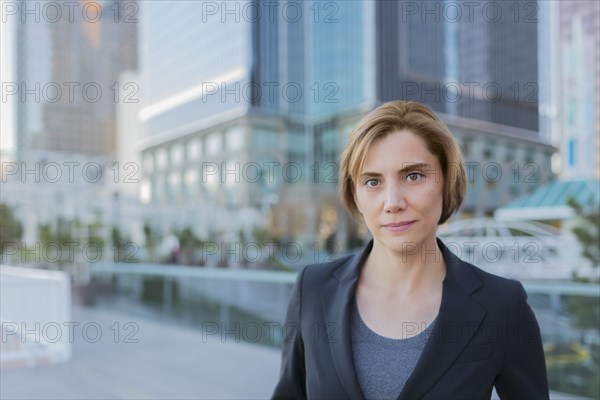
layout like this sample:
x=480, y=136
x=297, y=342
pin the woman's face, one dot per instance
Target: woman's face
x=401, y=183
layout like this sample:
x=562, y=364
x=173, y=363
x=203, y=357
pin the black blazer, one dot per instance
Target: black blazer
x=486, y=336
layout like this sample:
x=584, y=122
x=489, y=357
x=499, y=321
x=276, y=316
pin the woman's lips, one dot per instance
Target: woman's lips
x=399, y=227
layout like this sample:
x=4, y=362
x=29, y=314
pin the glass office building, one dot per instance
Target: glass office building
x=476, y=61
x=255, y=83
x=67, y=75
x=580, y=89
x=236, y=83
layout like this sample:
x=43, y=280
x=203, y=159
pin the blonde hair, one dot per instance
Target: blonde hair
x=420, y=120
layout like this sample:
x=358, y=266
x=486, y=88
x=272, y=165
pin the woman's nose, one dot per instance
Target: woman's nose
x=395, y=199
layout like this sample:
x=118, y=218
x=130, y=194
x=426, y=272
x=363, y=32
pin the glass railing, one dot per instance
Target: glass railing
x=229, y=306
x=249, y=306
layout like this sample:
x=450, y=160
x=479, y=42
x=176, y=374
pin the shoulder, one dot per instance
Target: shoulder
x=494, y=287
x=492, y=279
x=320, y=273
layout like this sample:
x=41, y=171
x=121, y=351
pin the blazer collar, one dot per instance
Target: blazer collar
x=458, y=319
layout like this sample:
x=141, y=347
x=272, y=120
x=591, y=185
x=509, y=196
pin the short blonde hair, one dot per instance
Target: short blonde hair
x=420, y=120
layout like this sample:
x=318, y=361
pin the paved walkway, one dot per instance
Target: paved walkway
x=168, y=362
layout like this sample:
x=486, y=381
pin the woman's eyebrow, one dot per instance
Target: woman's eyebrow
x=409, y=167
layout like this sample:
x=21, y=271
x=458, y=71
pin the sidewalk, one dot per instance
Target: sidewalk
x=167, y=362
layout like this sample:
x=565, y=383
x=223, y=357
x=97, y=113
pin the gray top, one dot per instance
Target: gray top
x=383, y=364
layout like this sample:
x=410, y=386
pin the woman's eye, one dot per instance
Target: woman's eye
x=370, y=181
x=416, y=176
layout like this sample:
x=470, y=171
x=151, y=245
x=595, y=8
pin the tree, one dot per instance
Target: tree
x=588, y=230
x=150, y=241
x=124, y=249
x=11, y=230
x=188, y=242
x=585, y=310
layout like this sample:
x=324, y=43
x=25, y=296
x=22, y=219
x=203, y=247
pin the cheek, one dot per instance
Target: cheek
x=432, y=199
x=368, y=204
x=361, y=200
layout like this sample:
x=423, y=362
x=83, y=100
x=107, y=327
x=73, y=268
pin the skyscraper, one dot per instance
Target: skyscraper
x=235, y=83
x=278, y=86
x=474, y=60
x=68, y=62
x=580, y=88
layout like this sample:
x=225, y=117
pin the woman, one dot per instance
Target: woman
x=405, y=318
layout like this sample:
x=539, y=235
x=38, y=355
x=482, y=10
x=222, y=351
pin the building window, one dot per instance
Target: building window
x=148, y=163
x=529, y=159
x=234, y=138
x=194, y=149
x=466, y=146
x=145, y=194
x=328, y=147
x=158, y=189
x=571, y=149
x=231, y=174
x=510, y=153
x=296, y=143
x=296, y=150
x=176, y=155
x=161, y=159
x=488, y=151
x=210, y=180
x=266, y=139
x=214, y=144
x=174, y=184
x=191, y=181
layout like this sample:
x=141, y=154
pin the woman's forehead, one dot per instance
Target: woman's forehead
x=399, y=148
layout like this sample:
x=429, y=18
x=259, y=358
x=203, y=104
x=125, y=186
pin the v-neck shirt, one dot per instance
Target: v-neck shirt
x=384, y=364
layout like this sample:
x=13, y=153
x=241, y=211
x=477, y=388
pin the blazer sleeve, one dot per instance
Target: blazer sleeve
x=291, y=384
x=523, y=373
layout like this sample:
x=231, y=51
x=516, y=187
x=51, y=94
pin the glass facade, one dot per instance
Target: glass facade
x=186, y=77
x=178, y=46
x=68, y=72
x=302, y=63
x=475, y=66
x=336, y=57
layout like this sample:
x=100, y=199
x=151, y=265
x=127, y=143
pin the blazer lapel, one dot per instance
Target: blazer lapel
x=337, y=301
x=458, y=319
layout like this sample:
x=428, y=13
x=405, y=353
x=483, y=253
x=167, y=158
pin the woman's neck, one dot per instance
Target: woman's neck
x=406, y=273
